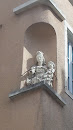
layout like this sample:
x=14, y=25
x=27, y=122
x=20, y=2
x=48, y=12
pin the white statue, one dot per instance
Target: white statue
x=41, y=72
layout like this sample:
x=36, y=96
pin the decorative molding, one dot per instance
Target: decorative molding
x=25, y=6
x=32, y=3
x=68, y=93
x=42, y=85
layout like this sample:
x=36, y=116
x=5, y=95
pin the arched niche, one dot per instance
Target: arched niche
x=39, y=37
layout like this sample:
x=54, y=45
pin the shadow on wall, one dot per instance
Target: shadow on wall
x=71, y=1
x=63, y=82
x=39, y=37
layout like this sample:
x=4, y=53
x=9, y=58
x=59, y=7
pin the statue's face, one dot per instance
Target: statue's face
x=39, y=56
x=51, y=65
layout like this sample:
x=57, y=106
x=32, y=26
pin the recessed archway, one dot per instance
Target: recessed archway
x=39, y=37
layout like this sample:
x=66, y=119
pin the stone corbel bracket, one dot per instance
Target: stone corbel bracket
x=32, y=3
x=42, y=85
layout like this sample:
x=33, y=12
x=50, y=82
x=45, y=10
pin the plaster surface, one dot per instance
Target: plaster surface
x=33, y=111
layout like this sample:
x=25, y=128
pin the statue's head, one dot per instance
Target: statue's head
x=51, y=65
x=40, y=58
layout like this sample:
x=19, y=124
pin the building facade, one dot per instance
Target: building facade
x=28, y=26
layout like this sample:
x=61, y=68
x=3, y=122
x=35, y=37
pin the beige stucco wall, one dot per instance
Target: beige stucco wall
x=35, y=110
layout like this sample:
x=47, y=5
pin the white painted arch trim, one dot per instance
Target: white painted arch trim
x=68, y=31
x=32, y=3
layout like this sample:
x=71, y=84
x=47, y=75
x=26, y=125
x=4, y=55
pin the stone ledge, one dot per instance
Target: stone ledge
x=32, y=3
x=25, y=6
x=42, y=85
